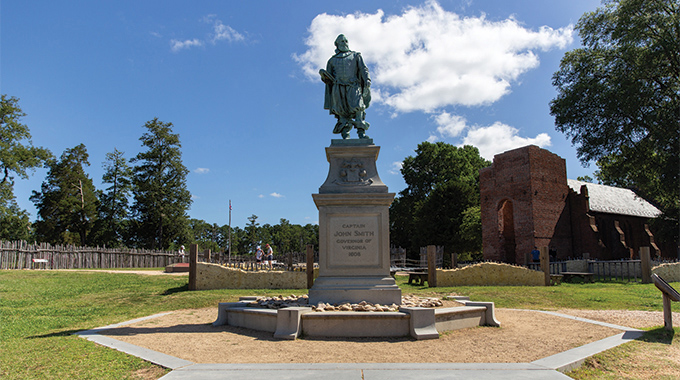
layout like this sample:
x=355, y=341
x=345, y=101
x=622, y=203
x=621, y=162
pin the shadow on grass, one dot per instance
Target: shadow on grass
x=179, y=289
x=55, y=334
x=658, y=335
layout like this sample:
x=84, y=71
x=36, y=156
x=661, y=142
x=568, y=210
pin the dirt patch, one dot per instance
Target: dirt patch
x=524, y=336
x=630, y=318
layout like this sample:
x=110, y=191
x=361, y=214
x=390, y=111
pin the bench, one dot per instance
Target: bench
x=586, y=276
x=418, y=277
x=556, y=279
x=669, y=294
x=40, y=261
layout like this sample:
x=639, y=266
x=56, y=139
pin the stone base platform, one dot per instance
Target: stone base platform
x=417, y=322
x=374, y=289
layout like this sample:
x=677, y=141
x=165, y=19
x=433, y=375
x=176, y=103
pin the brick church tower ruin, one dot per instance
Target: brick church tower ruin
x=527, y=201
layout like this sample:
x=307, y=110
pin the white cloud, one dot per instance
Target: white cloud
x=396, y=167
x=499, y=138
x=176, y=45
x=428, y=58
x=220, y=32
x=450, y=125
x=490, y=140
x=201, y=170
x=276, y=195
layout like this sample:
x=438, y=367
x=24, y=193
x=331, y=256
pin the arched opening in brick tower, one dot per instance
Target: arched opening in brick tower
x=506, y=227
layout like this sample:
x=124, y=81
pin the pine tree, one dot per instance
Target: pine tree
x=66, y=203
x=161, y=197
x=114, y=208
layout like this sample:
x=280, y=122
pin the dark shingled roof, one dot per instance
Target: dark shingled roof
x=615, y=200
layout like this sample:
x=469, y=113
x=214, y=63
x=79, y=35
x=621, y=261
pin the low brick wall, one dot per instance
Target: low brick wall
x=490, y=274
x=215, y=276
x=669, y=271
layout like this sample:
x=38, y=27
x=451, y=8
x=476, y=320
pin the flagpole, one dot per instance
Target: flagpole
x=230, y=231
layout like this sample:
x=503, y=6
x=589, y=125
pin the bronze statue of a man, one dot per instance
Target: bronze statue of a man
x=348, y=91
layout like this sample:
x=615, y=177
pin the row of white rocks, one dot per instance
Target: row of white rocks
x=281, y=302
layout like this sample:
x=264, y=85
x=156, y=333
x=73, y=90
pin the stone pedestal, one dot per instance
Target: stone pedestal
x=354, y=244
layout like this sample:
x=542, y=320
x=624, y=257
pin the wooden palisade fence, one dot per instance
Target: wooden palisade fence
x=22, y=255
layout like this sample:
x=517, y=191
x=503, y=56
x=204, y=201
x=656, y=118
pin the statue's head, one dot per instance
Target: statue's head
x=341, y=43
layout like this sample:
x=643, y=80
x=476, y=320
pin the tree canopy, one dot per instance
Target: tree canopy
x=17, y=153
x=283, y=237
x=14, y=222
x=72, y=211
x=619, y=98
x=66, y=202
x=161, y=196
x=440, y=204
x=112, y=228
x=17, y=157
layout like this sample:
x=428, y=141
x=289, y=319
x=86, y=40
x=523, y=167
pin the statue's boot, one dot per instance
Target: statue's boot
x=362, y=133
x=361, y=125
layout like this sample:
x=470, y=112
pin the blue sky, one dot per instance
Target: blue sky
x=239, y=81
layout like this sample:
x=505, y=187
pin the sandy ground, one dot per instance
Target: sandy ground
x=524, y=336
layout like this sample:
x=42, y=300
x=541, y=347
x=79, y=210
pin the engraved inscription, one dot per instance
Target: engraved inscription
x=354, y=241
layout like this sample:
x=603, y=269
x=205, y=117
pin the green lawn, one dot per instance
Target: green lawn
x=40, y=310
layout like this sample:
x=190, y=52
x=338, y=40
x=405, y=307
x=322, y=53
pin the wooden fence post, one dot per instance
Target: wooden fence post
x=545, y=264
x=432, y=266
x=310, y=266
x=646, y=265
x=193, y=270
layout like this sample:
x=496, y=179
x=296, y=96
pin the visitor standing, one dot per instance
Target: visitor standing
x=270, y=255
x=258, y=255
x=536, y=255
x=181, y=253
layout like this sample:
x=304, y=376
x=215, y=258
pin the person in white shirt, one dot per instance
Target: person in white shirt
x=270, y=255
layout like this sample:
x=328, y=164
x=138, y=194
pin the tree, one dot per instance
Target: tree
x=309, y=235
x=161, y=197
x=442, y=188
x=17, y=153
x=114, y=208
x=206, y=235
x=17, y=157
x=284, y=237
x=253, y=232
x=239, y=242
x=619, y=98
x=14, y=222
x=471, y=234
x=66, y=202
